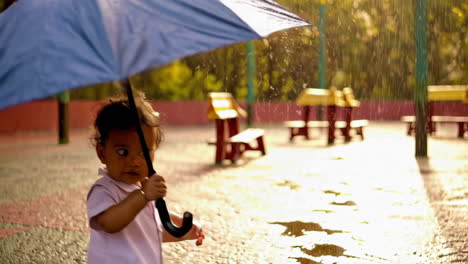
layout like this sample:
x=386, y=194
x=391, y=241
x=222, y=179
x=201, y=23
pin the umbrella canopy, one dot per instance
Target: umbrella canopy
x=50, y=46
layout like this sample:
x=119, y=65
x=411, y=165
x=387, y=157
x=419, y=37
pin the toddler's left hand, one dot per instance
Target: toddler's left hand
x=196, y=232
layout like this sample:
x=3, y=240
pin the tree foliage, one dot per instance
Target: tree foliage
x=370, y=46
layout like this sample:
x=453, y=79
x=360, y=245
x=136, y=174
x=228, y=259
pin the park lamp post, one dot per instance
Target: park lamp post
x=63, y=117
x=322, y=66
x=421, y=77
x=250, y=81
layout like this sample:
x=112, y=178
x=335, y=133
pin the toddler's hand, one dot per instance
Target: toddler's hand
x=196, y=232
x=154, y=187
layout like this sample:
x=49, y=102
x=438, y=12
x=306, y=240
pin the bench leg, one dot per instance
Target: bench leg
x=345, y=134
x=305, y=130
x=360, y=132
x=461, y=129
x=298, y=131
x=348, y=118
x=219, y=155
x=261, y=145
x=235, y=153
x=220, y=141
x=410, y=128
x=331, y=116
x=431, y=126
x=292, y=133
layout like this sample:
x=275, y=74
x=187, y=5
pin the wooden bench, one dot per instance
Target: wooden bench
x=299, y=127
x=230, y=142
x=442, y=93
x=356, y=125
x=461, y=121
x=331, y=99
x=445, y=93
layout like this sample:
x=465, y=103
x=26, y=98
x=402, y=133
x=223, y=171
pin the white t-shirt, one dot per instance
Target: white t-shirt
x=139, y=242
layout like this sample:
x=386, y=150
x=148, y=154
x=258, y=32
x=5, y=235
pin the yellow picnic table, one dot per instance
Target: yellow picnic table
x=442, y=93
x=317, y=96
x=331, y=98
x=448, y=93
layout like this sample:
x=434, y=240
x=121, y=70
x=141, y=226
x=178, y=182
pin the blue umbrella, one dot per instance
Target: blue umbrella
x=49, y=46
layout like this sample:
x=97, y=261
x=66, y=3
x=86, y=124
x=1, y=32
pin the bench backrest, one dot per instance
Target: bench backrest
x=221, y=105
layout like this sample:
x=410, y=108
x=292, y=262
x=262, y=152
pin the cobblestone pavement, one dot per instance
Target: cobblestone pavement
x=304, y=202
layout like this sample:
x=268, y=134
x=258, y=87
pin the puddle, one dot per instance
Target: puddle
x=297, y=228
x=322, y=210
x=332, y=192
x=382, y=189
x=408, y=217
x=305, y=261
x=324, y=250
x=320, y=250
x=347, y=203
x=287, y=183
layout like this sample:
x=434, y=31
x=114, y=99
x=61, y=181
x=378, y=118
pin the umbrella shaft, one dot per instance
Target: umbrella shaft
x=144, y=148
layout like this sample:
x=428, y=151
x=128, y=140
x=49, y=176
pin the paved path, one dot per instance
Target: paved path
x=362, y=202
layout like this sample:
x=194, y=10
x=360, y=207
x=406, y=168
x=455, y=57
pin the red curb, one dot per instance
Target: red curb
x=7, y=232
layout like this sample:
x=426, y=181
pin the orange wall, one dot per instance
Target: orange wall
x=42, y=114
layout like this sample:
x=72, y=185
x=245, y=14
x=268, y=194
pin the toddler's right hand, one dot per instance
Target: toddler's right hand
x=154, y=187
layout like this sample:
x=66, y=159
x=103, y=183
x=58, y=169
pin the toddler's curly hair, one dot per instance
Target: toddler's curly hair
x=116, y=114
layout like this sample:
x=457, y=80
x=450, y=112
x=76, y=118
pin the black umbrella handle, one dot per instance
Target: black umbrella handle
x=160, y=203
x=167, y=223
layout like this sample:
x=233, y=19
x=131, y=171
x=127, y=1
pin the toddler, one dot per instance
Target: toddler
x=125, y=224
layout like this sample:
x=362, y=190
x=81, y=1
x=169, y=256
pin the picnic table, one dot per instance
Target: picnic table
x=456, y=93
x=331, y=98
x=448, y=93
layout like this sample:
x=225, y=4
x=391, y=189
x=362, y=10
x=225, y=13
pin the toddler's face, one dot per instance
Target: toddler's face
x=123, y=156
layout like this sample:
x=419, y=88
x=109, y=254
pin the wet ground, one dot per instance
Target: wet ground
x=305, y=202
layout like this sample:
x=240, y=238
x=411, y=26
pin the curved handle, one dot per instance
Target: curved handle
x=160, y=203
x=167, y=223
